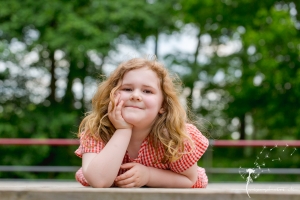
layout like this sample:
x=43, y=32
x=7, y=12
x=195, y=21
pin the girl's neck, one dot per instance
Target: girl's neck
x=137, y=138
x=139, y=134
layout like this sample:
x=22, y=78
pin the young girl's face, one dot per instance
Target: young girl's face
x=142, y=95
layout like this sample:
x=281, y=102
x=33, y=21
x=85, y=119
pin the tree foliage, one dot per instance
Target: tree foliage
x=243, y=74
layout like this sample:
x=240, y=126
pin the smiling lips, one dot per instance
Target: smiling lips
x=133, y=107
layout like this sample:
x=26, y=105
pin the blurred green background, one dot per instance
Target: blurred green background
x=238, y=60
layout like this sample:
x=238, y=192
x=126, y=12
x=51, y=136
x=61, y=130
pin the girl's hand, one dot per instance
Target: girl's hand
x=115, y=115
x=137, y=176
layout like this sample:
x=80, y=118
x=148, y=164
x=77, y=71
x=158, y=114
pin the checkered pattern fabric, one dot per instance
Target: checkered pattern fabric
x=147, y=157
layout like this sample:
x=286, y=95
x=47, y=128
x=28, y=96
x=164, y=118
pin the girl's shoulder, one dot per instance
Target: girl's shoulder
x=197, y=137
x=192, y=129
x=193, y=150
x=89, y=144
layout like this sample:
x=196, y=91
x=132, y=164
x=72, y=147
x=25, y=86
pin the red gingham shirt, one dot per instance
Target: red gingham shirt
x=146, y=156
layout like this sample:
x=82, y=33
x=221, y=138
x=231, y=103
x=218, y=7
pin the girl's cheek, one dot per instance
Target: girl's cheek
x=122, y=96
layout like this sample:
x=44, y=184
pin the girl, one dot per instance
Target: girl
x=136, y=134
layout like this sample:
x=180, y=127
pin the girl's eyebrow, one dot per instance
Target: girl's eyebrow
x=129, y=84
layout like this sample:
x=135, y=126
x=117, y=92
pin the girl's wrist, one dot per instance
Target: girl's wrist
x=124, y=130
x=123, y=126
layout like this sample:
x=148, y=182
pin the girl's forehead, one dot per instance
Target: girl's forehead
x=146, y=72
x=143, y=74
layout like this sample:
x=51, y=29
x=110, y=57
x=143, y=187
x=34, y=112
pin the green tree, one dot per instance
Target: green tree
x=230, y=79
x=46, y=49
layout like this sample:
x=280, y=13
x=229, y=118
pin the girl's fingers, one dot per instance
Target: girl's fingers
x=125, y=182
x=116, y=102
x=117, y=99
x=128, y=165
x=125, y=176
x=115, y=113
x=130, y=185
x=119, y=108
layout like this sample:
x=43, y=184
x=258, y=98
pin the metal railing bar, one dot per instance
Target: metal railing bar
x=217, y=143
x=254, y=143
x=7, y=168
x=31, y=141
x=261, y=170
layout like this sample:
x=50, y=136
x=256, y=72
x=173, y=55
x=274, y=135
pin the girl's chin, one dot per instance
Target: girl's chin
x=136, y=119
x=133, y=122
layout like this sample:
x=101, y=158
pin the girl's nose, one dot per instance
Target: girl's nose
x=135, y=96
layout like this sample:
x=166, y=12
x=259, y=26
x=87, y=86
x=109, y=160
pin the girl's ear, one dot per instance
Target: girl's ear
x=161, y=111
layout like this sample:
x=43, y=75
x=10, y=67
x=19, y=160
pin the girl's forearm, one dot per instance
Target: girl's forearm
x=104, y=167
x=168, y=179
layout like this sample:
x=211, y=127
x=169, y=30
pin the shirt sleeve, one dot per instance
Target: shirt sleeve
x=202, y=180
x=191, y=154
x=89, y=145
x=80, y=178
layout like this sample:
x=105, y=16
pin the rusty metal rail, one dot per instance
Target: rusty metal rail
x=31, y=141
x=74, y=142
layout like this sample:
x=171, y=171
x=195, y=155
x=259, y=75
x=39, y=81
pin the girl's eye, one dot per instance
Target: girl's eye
x=148, y=91
x=127, y=89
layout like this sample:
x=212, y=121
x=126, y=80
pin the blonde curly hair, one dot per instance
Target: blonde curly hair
x=169, y=128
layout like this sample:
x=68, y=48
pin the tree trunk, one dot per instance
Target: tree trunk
x=195, y=72
x=242, y=127
x=197, y=49
x=68, y=99
x=52, y=96
x=82, y=77
x=156, y=44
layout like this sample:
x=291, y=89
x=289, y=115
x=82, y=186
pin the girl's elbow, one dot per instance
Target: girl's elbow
x=101, y=184
x=191, y=181
x=190, y=184
x=97, y=182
